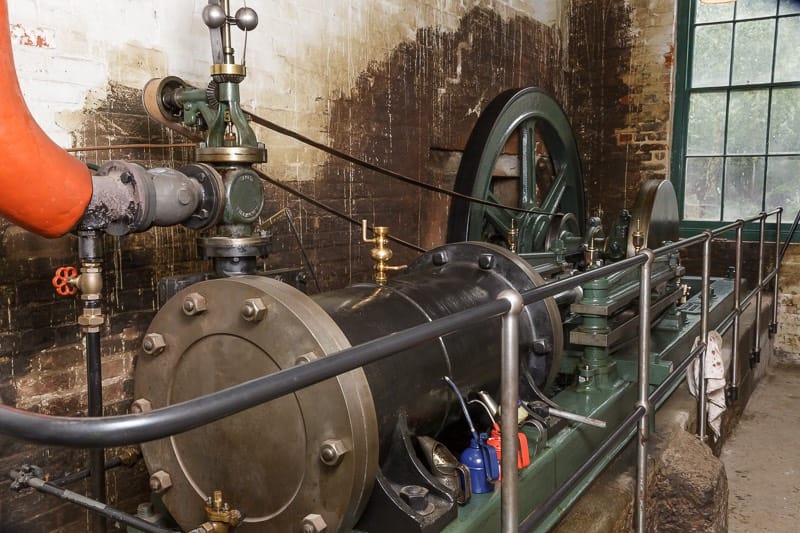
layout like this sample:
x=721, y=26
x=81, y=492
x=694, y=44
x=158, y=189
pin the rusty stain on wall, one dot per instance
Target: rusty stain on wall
x=36, y=37
x=426, y=95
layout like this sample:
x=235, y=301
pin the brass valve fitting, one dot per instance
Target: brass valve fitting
x=221, y=518
x=381, y=254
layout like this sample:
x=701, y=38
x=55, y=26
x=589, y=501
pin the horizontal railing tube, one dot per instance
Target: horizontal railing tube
x=177, y=418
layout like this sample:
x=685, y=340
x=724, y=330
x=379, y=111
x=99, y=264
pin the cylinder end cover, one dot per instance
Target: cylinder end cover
x=267, y=459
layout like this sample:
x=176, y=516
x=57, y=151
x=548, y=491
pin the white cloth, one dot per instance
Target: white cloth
x=715, y=380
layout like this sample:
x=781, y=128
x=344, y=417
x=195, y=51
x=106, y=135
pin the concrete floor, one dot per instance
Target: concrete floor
x=762, y=458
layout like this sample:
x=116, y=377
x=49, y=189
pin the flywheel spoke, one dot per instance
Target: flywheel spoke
x=527, y=158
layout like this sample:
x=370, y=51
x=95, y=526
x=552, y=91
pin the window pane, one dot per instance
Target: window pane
x=783, y=185
x=713, y=12
x=712, y=55
x=747, y=122
x=790, y=6
x=701, y=199
x=752, y=54
x=755, y=8
x=744, y=182
x=787, y=59
x=706, y=124
x=784, y=130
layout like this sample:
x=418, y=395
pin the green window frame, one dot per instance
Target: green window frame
x=736, y=119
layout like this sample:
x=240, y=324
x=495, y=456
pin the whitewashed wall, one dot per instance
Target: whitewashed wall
x=302, y=53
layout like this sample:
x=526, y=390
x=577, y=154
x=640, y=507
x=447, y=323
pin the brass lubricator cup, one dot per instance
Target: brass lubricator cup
x=381, y=254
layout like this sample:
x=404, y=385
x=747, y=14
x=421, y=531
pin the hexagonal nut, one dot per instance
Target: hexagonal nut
x=194, y=304
x=141, y=405
x=332, y=451
x=254, y=310
x=153, y=343
x=89, y=321
x=305, y=358
x=416, y=496
x=160, y=481
x=314, y=523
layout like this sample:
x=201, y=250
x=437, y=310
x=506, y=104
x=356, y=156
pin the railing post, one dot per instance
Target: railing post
x=705, y=306
x=773, y=326
x=733, y=390
x=755, y=356
x=509, y=396
x=644, y=392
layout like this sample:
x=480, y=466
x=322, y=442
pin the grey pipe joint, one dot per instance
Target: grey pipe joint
x=127, y=198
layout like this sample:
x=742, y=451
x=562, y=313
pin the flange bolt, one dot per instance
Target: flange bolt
x=153, y=344
x=160, y=481
x=332, y=451
x=141, y=405
x=194, y=304
x=254, y=310
x=314, y=523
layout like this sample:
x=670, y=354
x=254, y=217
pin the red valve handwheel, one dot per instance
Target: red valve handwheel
x=61, y=281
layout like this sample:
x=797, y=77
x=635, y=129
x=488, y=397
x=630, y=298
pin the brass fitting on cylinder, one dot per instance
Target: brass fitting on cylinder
x=381, y=254
x=221, y=518
x=637, y=238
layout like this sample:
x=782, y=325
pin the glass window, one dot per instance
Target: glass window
x=737, y=118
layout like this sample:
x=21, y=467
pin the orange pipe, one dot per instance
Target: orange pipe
x=42, y=188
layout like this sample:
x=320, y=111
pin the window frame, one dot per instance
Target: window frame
x=684, y=51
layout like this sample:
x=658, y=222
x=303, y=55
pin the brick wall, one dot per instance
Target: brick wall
x=787, y=340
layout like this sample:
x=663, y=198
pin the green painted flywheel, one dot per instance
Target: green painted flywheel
x=521, y=154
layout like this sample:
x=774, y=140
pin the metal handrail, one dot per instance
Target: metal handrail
x=640, y=414
x=170, y=420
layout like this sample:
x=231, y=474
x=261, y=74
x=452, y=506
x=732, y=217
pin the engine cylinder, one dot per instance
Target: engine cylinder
x=318, y=450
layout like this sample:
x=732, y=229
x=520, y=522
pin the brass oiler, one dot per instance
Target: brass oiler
x=638, y=238
x=221, y=518
x=381, y=254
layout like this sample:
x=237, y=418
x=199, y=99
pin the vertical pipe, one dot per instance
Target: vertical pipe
x=705, y=301
x=90, y=252
x=773, y=326
x=644, y=393
x=509, y=395
x=755, y=357
x=733, y=390
x=95, y=408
